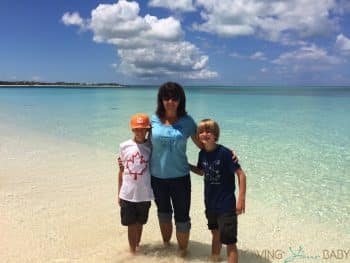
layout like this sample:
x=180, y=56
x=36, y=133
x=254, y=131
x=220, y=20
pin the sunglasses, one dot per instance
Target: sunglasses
x=171, y=97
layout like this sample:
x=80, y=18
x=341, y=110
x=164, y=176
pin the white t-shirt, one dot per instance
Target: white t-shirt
x=136, y=186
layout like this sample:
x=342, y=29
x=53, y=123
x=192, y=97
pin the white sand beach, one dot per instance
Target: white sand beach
x=58, y=204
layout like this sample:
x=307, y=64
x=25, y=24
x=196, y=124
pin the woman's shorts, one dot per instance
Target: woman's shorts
x=134, y=212
x=226, y=223
x=173, y=194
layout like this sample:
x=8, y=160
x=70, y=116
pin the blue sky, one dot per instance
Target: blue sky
x=223, y=42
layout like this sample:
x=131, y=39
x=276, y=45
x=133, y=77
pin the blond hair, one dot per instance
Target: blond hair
x=209, y=125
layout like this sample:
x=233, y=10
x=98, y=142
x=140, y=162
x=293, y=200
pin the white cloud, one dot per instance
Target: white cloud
x=111, y=22
x=177, y=5
x=166, y=59
x=235, y=55
x=258, y=56
x=275, y=20
x=307, y=59
x=164, y=29
x=343, y=7
x=72, y=19
x=226, y=18
x=343, y=44
x=148, y=46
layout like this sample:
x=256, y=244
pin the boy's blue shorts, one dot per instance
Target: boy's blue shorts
x=226, y=223
x=173, y=194
x=134, y=212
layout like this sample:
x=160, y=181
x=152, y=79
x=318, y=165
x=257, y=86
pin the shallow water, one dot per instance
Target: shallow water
x=294, y=145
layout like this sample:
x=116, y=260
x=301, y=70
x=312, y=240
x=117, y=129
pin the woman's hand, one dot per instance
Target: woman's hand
x=235, y=158
x=120, y=163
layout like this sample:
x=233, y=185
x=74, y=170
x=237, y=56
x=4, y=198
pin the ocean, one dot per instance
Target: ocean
x=292, y=142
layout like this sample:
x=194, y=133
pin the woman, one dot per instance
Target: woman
x=171, y=127
x=170, y=179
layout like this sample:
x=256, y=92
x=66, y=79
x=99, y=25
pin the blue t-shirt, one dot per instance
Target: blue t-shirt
x=219, y=179
x=168, y=159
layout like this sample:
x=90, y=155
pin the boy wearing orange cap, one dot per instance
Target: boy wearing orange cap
x=134, y=181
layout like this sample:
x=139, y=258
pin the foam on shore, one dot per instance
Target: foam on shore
x=58, y=204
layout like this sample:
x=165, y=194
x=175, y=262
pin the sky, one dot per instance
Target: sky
x=193, y=42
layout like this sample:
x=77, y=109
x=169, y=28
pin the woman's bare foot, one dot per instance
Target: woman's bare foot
x=183, y=252
x=166, y=244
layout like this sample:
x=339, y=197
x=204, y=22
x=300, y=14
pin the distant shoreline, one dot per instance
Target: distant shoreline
x=63, y=85
x=52, y=85
x=26, y=83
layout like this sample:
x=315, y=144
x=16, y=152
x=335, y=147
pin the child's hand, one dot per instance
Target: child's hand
x=240, y=207
x=118, y=200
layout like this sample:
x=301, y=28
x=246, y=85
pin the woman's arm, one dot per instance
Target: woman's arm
x=196, y=170
x=196, y=141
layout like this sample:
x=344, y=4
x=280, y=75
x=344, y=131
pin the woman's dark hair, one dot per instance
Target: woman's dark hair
x=171, y=90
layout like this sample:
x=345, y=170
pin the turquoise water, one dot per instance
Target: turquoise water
x=293, y=142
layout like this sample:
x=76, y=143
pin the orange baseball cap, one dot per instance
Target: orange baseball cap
x=139, y=120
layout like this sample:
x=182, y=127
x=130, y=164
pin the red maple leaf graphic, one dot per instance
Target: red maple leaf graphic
x=136, y=165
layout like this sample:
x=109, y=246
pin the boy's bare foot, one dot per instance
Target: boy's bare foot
x=132, y=252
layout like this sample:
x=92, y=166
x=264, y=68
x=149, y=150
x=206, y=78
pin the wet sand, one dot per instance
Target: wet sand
x=58, y=204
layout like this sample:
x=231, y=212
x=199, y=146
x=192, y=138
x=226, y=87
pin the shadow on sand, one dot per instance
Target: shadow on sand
x=198, y=252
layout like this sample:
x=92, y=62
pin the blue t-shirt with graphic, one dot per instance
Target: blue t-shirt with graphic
x=169, y=143
x=219, y=179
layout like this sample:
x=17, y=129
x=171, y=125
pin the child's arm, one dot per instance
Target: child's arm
x=240, y=207
x=120, y=177
x=196, y=170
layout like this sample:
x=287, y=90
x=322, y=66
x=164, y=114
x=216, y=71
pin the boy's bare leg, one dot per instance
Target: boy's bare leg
x=182, y=240
x=166, y=229
x=232, y=253
x=132, y=237
x=215, y=245
x=138, y=234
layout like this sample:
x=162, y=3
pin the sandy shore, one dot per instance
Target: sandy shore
x=58, y=204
